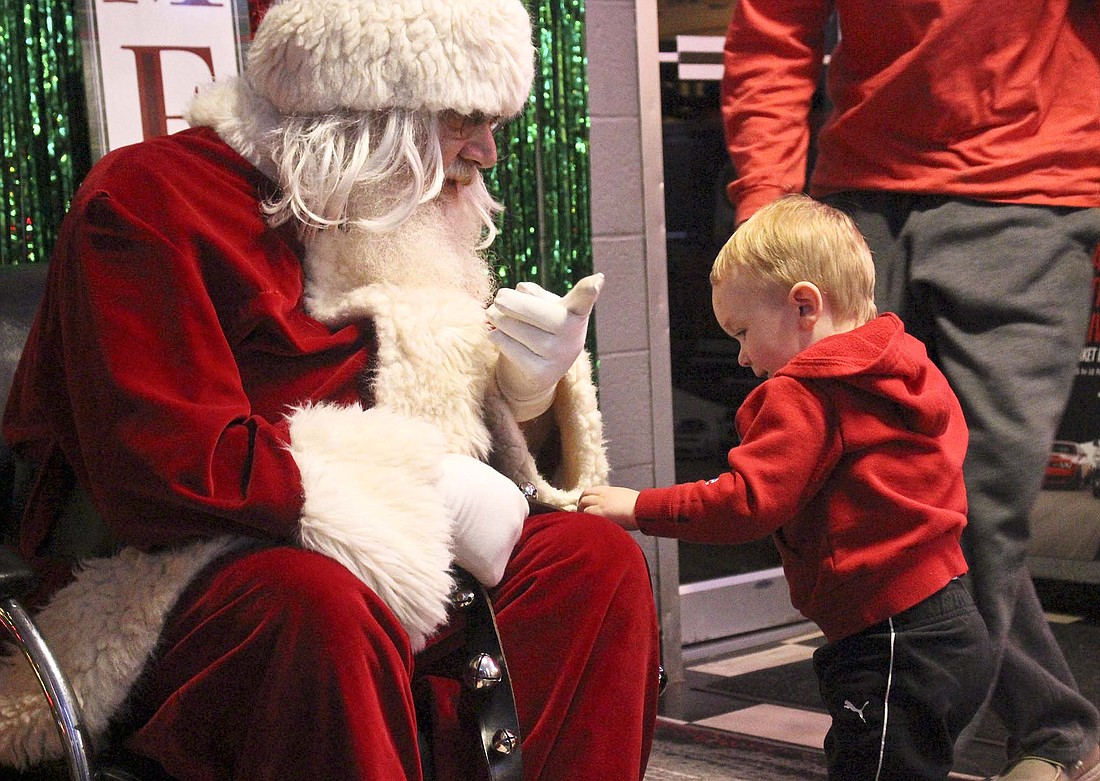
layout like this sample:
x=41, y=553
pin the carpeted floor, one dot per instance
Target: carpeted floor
x=684, y=752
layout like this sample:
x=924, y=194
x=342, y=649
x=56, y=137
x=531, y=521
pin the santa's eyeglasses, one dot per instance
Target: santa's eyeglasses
x=464, y=126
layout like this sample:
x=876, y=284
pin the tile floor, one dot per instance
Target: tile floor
x=763, y=717
x=769, y=693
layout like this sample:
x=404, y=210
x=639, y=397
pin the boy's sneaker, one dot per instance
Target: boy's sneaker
x=1038, y=769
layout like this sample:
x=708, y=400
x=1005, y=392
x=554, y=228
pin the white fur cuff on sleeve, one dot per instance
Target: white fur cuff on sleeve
x=368, y=478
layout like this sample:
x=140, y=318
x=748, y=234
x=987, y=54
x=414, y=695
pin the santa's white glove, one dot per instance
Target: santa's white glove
x=539, y=335
x=488, y=511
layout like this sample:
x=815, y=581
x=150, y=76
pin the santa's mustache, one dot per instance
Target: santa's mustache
x=463, y=172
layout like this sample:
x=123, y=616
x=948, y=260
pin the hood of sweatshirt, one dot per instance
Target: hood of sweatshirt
x=880, y=358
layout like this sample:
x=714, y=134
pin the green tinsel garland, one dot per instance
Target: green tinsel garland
x=43, y=128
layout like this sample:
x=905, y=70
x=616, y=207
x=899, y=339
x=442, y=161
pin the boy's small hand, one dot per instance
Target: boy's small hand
x=615, y=504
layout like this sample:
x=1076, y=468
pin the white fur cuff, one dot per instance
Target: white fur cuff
x=369, y=478
x=102, y=628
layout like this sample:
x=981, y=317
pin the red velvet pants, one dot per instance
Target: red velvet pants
x=284, y=666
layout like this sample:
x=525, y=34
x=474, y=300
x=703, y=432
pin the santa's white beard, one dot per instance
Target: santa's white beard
x=435, y=247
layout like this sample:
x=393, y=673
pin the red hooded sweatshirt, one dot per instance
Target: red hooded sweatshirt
x=851, y=456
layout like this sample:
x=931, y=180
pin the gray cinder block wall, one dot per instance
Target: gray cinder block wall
x=628, y=245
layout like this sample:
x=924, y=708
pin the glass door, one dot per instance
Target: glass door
x=726, y=592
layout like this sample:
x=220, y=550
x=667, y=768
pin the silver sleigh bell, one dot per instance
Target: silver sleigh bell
x=482, y=672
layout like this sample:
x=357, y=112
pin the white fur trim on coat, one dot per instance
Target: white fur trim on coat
x=368, y=478
x=580, y=427
x=435, y=362
x=243, y=119
x=102, y=628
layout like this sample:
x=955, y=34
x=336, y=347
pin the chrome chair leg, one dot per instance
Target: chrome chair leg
x=63, y=703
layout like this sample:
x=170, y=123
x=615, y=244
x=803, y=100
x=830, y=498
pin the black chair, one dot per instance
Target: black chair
x=469, y=650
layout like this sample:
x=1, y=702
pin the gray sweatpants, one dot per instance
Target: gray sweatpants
x=1000, y=295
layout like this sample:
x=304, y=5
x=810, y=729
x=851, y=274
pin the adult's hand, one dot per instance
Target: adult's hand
x=539, y=335
x=488, y=511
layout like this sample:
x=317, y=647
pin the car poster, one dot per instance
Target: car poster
x=1065, y=521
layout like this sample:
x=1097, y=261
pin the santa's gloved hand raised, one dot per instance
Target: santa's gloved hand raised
x=488, y=511
x=539, y=335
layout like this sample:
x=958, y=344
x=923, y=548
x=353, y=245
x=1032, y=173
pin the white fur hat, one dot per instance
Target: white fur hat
x=468, y=56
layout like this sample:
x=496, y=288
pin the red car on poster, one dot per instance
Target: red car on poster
x=1067, y=467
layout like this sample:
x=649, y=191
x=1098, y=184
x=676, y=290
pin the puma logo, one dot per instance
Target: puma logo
x=858, y=711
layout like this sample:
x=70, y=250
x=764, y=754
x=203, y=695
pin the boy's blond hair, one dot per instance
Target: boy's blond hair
x=797, y=239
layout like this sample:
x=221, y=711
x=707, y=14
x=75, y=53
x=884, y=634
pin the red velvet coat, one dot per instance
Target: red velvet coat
x=176, y=262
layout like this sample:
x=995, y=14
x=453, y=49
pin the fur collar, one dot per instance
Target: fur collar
x=242, y=118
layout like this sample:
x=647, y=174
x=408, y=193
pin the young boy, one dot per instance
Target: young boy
x=851, y=457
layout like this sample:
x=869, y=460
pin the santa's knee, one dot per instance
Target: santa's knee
x=313, y=601
x=595, y=552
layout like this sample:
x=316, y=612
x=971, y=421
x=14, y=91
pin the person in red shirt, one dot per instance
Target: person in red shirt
x=964, y=140
x=851, y=457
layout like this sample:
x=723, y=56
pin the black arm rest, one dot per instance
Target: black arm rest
x=16, y=576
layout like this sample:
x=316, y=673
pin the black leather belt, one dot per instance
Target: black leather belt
x=472, y=653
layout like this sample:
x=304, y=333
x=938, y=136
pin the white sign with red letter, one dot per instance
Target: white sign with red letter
x=145, y=58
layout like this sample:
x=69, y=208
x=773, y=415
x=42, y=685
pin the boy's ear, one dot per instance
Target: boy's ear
x=808, y=299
